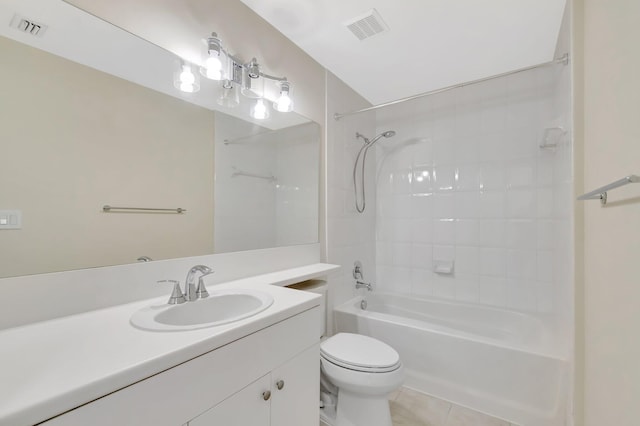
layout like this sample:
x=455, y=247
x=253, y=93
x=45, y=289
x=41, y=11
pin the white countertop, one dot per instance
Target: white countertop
x=50, y=367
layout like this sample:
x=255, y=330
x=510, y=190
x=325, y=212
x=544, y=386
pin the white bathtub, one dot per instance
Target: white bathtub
x=491, y=360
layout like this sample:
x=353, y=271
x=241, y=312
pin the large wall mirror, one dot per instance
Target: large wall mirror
x=82, y=128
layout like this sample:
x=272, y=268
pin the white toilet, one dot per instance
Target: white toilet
x=358, y=373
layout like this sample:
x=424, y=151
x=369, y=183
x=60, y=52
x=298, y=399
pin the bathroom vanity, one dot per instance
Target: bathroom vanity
x=96, y=368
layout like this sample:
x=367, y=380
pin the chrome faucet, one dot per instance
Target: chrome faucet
x=360, y=284
x=191, y=293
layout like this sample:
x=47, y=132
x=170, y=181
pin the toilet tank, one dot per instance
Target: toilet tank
x=319, y=287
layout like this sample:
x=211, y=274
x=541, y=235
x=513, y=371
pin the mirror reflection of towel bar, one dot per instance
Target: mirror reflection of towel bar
x=109, y=209
x=239, y=172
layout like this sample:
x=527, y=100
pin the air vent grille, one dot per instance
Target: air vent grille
x=28, y=26
x=367, y=25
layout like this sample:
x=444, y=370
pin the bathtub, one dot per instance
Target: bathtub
x=495, y=361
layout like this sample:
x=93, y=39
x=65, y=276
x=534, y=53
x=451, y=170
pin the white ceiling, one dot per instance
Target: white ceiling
x=431, y=43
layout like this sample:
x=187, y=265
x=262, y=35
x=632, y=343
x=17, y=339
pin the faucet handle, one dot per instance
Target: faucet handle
x=176, y=295
x=357, y=270
x=201, y=291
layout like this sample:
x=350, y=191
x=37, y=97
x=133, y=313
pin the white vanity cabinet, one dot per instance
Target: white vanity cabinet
x=288, y=396
x=224, y=386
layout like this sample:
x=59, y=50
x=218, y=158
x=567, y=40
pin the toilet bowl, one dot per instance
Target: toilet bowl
x=358, y=373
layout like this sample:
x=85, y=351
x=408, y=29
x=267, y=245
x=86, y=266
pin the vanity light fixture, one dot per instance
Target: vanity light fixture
x=236, y=77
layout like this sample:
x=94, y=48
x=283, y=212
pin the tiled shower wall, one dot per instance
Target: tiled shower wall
x=465, y=181
x=350, y=235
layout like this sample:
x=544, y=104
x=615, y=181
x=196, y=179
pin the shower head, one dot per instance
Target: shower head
x=367, y=142
x=387, y=134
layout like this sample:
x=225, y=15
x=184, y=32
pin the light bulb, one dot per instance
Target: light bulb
x=283, y=103
x=185, y=80
x=213, y=65
x=259, y=110
x=186, y=76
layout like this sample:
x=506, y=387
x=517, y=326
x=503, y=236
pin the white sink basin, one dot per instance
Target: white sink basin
x=221, y=307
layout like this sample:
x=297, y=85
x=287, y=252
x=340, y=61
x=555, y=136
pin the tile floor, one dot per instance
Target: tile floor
x=411, y=408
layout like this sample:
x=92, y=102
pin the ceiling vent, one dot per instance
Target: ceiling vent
x=28, y=26
x=367, y=25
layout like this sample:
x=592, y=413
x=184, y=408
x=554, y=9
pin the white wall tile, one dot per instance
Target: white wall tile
x=545, y=202
x=466, y=205
x=491, y=204
x=493, y=291
x=492, y=177
x=444, y=206
x=493, y=262
x=521, y=203
x=422, y=256
x=522, y=264
x=403, y=255
x=444, y=287
x=521, y=173
x=468, y=177
x=444, y=178
x=522, y=234
x=444, y=231
x=522, y=297
x=467, y=288
x=421, y=282
x=467, y=260
x=443, y=149
x=422, y=230
x=467, y=232
x=402, y=230
x=422, y=206
x=545, y=266
x=422, y=180
x=492, y=233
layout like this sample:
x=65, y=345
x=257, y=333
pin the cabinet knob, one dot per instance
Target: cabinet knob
x=266, y=395
x=280, y=384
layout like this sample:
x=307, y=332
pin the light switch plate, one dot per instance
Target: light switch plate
x=10, y=219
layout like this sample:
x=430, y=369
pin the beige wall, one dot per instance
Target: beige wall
x=611, y=318
x=74, y=139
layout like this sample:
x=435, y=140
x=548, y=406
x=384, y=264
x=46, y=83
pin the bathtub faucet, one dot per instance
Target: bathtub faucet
x=360, y=284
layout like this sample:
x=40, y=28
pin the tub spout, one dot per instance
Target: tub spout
x=360, y=284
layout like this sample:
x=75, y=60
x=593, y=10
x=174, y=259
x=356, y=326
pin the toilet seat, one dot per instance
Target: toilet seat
x=360, y=353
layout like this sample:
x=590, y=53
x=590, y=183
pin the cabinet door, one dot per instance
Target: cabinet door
x=297, y=402
x=247, y=407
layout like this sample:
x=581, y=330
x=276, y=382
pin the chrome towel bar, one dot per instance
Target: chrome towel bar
x=601, y=193
x=109, y=209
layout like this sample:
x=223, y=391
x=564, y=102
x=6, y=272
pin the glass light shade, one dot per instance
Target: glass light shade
x=229, y=96
x=185, y=80
x=259, y=110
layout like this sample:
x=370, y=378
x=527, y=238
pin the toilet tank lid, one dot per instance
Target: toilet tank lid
x=359, y=350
